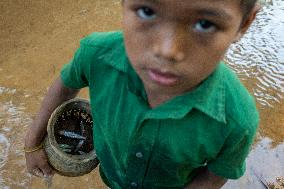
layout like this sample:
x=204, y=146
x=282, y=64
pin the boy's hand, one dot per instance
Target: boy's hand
x=36, y=160
x=37, y=164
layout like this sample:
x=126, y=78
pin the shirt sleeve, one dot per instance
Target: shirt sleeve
x=74, y=74
x=230, y=162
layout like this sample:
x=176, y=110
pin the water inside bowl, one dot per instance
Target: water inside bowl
x=73, y=132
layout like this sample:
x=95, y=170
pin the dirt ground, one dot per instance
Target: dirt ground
x=37, y=38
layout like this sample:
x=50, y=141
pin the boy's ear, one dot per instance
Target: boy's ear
x=247, y=22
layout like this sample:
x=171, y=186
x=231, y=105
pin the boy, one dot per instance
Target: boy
x=167, y=113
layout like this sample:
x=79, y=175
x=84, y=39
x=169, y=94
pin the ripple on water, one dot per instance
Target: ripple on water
x=259, y=56
x=4, y=149
x=13, y=121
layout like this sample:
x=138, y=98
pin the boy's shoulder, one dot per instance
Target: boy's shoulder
x=240, y=105
x=105, y=48
x=103, y=39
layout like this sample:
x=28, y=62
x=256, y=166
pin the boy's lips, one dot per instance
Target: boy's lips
x=162, y=78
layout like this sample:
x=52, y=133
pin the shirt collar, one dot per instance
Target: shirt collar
x=208, y=97
x=115, y=56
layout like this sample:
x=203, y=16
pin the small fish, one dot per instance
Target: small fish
x=66, y=150
x=70, y=134
x=65, y=146
x=79, y=145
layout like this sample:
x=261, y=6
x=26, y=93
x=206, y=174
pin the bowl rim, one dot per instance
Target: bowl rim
x=51, y=138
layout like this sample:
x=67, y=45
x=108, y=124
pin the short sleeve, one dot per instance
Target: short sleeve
x=230, y=162
x=74, y=74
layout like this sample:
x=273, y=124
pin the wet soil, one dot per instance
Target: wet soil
x=38, y=37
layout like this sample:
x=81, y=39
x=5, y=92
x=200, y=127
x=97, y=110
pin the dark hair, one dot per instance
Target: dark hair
x=247, y=6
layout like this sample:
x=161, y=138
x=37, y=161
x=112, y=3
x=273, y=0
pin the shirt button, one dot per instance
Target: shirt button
x=134, y=184
x=139, y=155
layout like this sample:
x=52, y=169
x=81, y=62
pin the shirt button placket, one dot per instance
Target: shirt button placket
x=139, y=157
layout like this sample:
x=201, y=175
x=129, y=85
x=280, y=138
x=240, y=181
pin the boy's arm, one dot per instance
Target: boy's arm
x=206, y=180
x=37, y=161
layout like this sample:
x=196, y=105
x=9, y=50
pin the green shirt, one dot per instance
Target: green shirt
x=139, y=147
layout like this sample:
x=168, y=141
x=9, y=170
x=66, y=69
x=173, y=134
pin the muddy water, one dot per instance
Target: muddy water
x=38, y=37
x=258, y=59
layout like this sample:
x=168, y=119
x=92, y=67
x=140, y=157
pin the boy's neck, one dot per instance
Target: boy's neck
x=156, y=98
x=159, y=96
x=155, y=101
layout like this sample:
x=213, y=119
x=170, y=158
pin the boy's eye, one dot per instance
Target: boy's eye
x=205, y=26
x=146, y=13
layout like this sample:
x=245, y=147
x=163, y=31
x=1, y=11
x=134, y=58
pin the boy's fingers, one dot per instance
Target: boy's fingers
x=37, y=172
x=47, y=170
x=37, y=164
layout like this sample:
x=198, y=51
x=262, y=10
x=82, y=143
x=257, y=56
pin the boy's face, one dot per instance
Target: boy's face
x=175, y=44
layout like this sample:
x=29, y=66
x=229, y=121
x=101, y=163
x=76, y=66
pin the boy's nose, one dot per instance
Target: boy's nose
x=169, y=45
